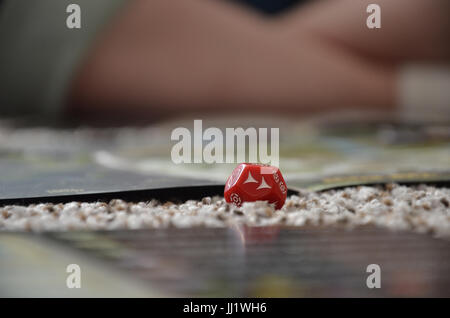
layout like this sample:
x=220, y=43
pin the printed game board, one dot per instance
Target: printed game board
x=319, y=154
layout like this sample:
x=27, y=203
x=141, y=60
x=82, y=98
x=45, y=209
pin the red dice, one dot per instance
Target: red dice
x=251, y=182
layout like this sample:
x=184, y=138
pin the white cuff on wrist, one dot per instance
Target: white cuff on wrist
x=424, y=93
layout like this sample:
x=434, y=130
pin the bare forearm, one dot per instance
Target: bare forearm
x=410, y=29
x=163, y=53
x=164, y=57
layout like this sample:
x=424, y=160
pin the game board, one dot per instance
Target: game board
x=233, y=262
x=41, y=162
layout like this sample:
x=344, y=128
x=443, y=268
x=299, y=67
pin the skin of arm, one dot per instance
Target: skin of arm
x=161, y=58
x=414, y=30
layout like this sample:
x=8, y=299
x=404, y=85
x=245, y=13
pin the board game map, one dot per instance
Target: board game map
x=316, y=154
x=227, y=262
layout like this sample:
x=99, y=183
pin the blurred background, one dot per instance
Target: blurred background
x=139, y=61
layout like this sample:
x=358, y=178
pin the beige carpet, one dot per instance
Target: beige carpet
x=422, y=209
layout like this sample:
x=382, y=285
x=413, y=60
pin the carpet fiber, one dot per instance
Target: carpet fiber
x=422, y=209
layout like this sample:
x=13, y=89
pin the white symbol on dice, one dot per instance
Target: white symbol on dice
x=282, y=187
x=263, y=185
x=275, y=176
x=235, y=198
x=250, y=179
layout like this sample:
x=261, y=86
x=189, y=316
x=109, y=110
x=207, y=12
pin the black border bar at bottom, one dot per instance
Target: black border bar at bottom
x=230, y=307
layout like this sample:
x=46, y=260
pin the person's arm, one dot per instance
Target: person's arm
x=413, y=40
x=410, y=29
x=165, y=57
